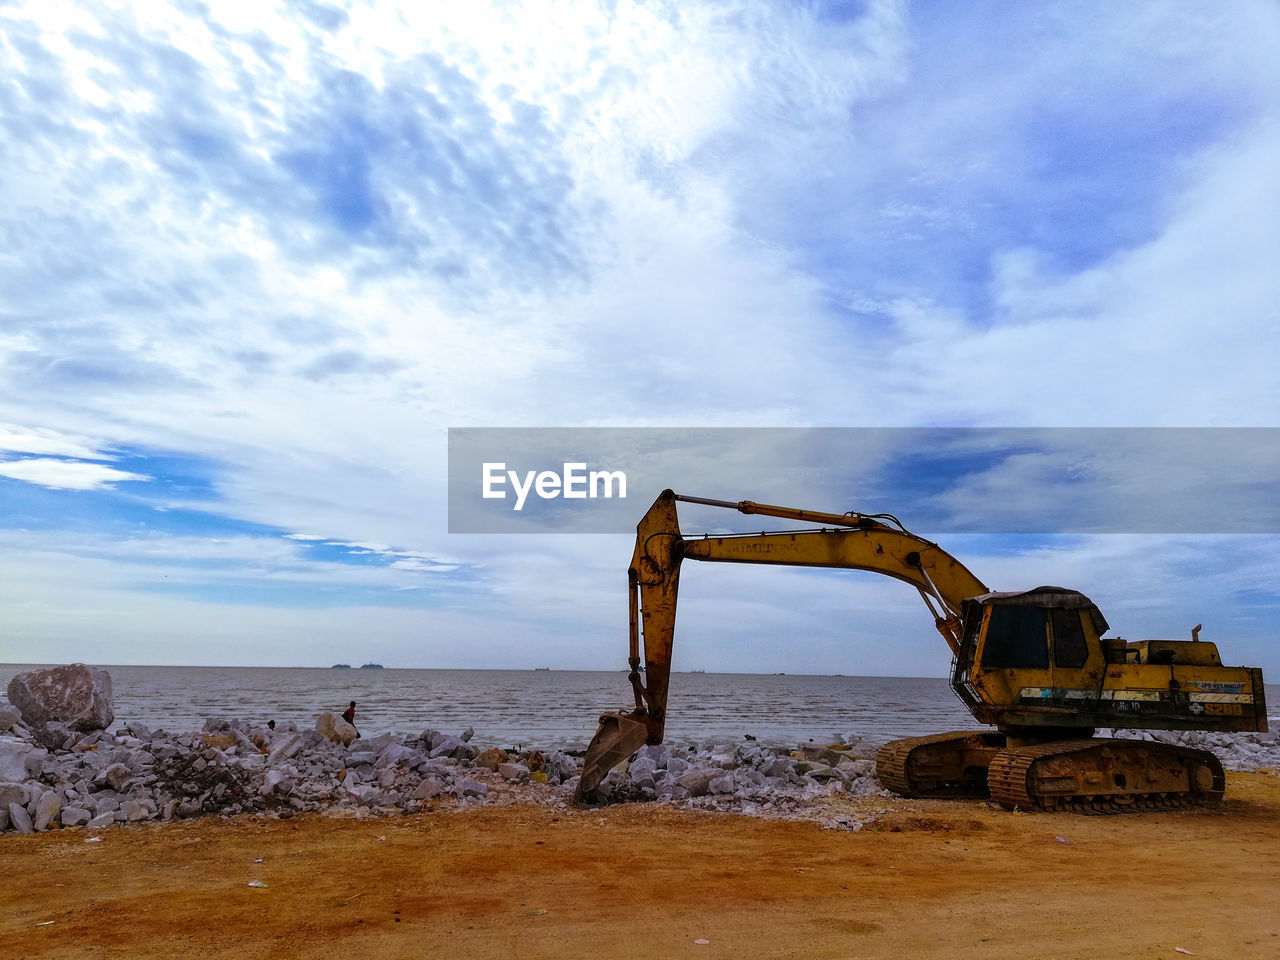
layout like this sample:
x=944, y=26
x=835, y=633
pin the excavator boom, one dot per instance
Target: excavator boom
x=855, y=541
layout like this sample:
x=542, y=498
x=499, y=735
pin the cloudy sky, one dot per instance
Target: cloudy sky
x=257, y=259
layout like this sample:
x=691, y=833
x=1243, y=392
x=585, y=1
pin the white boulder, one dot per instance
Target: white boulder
x=17, y=759
x=285, y=749
x=20, y=819
x=47, y=809
x=334, y=729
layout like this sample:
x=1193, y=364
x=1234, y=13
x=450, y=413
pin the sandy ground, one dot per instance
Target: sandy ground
x=953, y=879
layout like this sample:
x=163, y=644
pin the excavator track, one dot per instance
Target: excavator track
x=1101, y=775
x=942, y=765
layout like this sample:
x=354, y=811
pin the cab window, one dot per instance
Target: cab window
x=1016, y=638
x=1069, y=649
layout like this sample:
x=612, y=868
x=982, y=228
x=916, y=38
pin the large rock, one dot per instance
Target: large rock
x=285, y=749
x=221, y=741
x=334, y=729
x=8, y=717
x=134, y=810
x=779, y=767
x=20, y=819
x=269, y=783
x=492, y=758
x=13, y=793
x=398, y=754
x=698, y=781
x=513, y=771
x=657, y=752
x=721, y=785
x=76, y=695
x=117, y=775
x=641, y=768
x=17, y=760
x=188, y=807
x=447, y=747
x=47, y=809
x=427, y=789
x=52, y=736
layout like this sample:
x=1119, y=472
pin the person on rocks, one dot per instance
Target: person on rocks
x=349, y=715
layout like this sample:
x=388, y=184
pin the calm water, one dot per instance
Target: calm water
x=550, y=708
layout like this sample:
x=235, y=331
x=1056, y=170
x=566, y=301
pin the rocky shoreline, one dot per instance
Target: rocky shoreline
x=55, y=775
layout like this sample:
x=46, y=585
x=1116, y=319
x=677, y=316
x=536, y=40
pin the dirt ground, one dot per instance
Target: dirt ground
x=954, y=879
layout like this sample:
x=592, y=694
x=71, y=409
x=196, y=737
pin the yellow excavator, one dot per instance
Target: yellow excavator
x=1035, y=664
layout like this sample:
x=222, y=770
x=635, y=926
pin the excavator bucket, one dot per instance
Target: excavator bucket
x=618, y=737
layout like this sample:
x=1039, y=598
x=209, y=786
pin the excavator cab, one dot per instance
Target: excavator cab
x=1026, y=644
x=1037, y=629
x=1035, y=662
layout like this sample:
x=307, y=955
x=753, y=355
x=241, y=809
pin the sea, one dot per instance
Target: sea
x=541, y=708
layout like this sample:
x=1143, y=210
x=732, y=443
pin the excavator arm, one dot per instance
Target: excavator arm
x=847, y=541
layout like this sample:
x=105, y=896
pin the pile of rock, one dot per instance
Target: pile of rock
x=749, y=777
x=100, y=779
x=60, y=766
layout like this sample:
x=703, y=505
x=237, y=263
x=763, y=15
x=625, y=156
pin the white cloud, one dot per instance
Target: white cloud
x=1178, y=331
x=48, y=442
x=423, y=564
x=626, y=214
x=198, y=564
x=66, y=474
